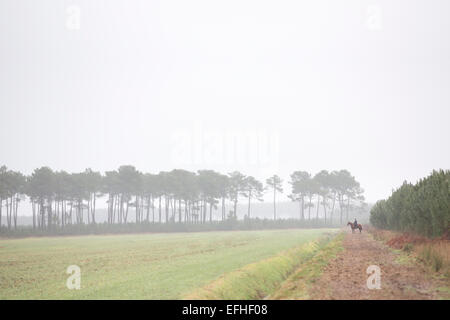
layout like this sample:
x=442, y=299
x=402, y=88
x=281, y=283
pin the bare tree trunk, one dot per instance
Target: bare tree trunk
x=167, y=209
x=137, y=210
x=201, y=211
x=309, y=207
x=332, y=208
x=121, y=209
x=303, y=208
x=148, y=209
x=179, y=210
x=274, y=204
x=71, y=211
x=49, y=215
x=116, y=210
x=300, y=211
x=39, y=215
x=33, y=208
x=63, y=213
x=248, y=210
x=16, y=206
x=110, y=208
x=188, y=211
x=203, y=217
x=126, y=213
x=210, y=212
x=318, y=205
x=153, y=209
x=8, y=222
x=93, y=209
x=89, y=210
x=11, y=211
x=348, y=205
x=173, y=204
x=159, y=209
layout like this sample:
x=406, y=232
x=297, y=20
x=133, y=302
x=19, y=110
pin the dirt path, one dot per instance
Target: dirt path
x=345, y=277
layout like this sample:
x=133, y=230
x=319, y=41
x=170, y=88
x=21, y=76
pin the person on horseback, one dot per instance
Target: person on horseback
x=355, y=223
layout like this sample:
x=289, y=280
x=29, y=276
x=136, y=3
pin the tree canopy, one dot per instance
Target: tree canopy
x=59, y=198
x=423, y=207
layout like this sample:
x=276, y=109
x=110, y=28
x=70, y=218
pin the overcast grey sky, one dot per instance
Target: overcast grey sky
x=259, y=86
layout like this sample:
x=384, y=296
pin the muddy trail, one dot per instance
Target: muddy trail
x=345, y=276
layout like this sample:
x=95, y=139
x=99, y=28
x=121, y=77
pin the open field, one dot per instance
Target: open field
x=263, y=278
x=144, y=266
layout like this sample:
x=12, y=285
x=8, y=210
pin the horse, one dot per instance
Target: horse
x=353, y=227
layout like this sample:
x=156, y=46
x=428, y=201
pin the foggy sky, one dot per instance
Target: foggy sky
x=258, y=86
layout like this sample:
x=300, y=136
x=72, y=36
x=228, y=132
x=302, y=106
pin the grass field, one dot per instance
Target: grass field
x=144, y=266
x=265, y=278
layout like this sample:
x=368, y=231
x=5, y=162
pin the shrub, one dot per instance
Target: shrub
x=408, y=247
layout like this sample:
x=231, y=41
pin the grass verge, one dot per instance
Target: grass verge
x=298, y=285
x=259, y=279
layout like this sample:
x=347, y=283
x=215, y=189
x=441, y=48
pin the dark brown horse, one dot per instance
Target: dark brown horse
x=353, y=227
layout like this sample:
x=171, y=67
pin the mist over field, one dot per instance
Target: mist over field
x=253, y=86
x=286, y=210
x=244, y=150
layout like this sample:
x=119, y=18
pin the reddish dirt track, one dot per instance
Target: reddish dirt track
x=345, y=277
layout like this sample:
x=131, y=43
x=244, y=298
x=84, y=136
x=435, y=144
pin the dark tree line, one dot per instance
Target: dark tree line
x=423, y=208
x=59, y=199
x=328, y=189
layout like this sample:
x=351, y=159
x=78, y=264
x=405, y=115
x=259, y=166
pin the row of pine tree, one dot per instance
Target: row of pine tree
x=423, y=208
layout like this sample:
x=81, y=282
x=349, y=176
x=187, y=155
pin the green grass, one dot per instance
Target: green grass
x=144, y=266
x=402, y=256
x=298, y=285
x=259, y=279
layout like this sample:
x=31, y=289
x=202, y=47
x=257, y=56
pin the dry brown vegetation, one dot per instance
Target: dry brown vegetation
x=434, y=253
x=344, y=277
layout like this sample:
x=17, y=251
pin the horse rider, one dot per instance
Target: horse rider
x=355, y=223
